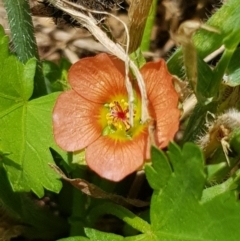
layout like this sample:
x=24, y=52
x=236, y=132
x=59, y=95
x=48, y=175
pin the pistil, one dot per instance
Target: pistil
x=118, y=115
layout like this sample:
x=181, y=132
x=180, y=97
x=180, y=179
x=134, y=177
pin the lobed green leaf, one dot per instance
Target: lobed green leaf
x=26, y=126
x=181, y=208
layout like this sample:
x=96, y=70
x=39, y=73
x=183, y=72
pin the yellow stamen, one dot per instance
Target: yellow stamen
x=118, y=115
x=112, y=104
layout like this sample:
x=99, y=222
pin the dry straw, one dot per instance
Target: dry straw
x=90, y=23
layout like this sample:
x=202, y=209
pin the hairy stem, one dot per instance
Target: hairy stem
x=21, y=26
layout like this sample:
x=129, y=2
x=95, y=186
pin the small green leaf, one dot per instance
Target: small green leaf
x=215, y=170
x=79, y=157
x=175, y=64
x=8, y=199
x=143, y=237
x=56, y=75
x=224, y=188
x=74, y=239
x=220, y=70
x=235, y=141
x=197, y=120
x=160, y=171
x=14, y=88
x=102, y=236
x=4, y=40
x=204, y=79
x=138, y=58
x=232, y=39
x=233, y=78
x=28, y=77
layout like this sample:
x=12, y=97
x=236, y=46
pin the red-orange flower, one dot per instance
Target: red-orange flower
x=94, y=115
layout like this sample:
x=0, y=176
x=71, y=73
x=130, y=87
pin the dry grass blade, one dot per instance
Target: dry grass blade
x=137, y=20
x=91, y=24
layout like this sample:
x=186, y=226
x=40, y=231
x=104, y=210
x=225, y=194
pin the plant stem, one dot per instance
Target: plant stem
x=220, y=70
x=138, y=14
x=122, y=213
x=22, y=31
x=146, y=39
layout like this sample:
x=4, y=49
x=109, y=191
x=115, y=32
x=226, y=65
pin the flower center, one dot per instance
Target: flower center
x=114, y=119
x=118, y=115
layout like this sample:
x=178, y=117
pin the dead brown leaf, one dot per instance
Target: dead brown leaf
x=96, y=192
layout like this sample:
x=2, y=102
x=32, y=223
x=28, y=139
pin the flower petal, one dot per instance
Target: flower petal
x=75, y=123
x=113, y=159
x=163, y=99
x=98, y=78
x=167, y=126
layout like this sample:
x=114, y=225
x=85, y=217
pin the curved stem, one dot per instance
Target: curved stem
x=122, y=213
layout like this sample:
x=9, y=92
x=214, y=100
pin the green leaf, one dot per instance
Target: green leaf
x=197, y=120
x=181, y=209
x=226, y=20
x=233, y=78
x=27, y=135
x=56, y=75
x=187, y=180
x=235, y=140
x=232, y=39
x=220, y=70
x=204, y=84
x=175, y=64
x=138, y=58
x=143, y=237
x=215, y=170
x=26, y=129
x=16, y=83
x=179, y=212
x=74, y=239
x=102, y=236
x=8, y=199
x=155, y=180
x=39, y=222
x=4, y=40
x=222, y=189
